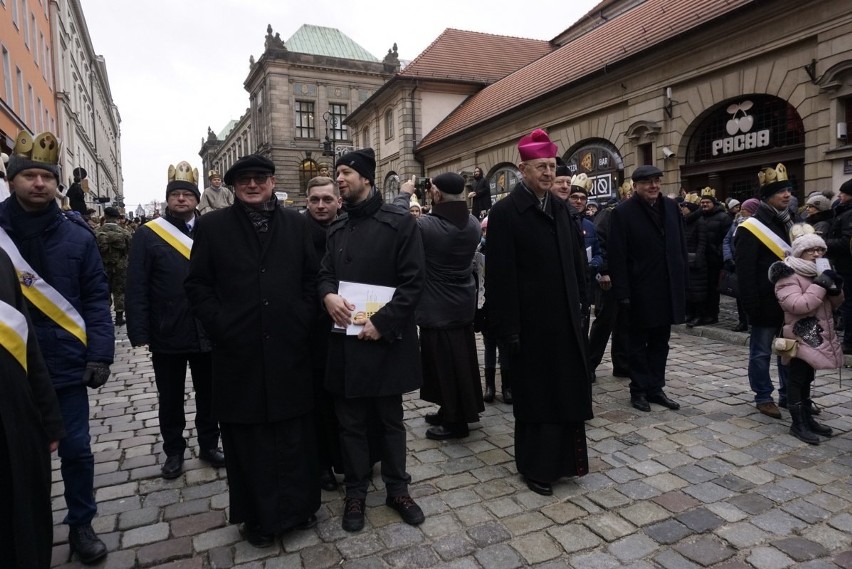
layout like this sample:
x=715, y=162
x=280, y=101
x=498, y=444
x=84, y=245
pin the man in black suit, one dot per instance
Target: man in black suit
x=647, y=261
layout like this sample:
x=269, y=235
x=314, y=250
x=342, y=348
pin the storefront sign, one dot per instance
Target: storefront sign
x=739, y=128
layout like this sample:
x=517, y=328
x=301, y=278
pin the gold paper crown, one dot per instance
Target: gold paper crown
x=626, y=188
x=45, y=147
x=691, y=198
x=769, y=174
x=213, y=174
x=414, y=201
x=183, y=172
x=708, y=192
x=582, y=181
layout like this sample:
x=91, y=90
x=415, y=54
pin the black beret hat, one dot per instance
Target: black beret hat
x=250, y=163
x=112, y=212
x=449, y=183
x=646, y=172
x=362, y=161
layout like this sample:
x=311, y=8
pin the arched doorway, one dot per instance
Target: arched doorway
x=600, y=161
x=307, y=169
x=503, y=179
x=734, y=139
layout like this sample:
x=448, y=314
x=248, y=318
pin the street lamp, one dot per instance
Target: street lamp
x=327, y=149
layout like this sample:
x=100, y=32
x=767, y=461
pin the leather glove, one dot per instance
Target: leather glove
x=96, y=374
x=838, y=280
x=510, y=345
x=826, y=281
x=730, y=266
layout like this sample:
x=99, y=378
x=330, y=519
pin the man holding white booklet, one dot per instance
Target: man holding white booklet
x=376, y=245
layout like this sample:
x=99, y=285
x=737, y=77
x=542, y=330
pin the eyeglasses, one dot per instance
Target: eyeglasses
x=246, y=179
x=184, y=195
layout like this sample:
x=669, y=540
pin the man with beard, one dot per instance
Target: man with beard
x=376, y=244
x=159, y=317
x=63, y=279
x=534, y=284
x=648, y=264
x=252, y=284
x=446, y=310
x=481, y=194
x=761, y=240
x=215, y=195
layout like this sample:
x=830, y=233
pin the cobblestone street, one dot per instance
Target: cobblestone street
x=714, y=484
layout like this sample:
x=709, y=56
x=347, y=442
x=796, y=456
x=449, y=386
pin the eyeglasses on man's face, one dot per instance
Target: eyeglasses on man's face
x=246, y=179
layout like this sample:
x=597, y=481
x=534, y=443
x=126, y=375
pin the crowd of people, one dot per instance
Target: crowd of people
x=356, y=302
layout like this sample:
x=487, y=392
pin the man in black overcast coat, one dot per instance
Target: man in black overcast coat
x=648, y=264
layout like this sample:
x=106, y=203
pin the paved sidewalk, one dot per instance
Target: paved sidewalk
x=712, y=485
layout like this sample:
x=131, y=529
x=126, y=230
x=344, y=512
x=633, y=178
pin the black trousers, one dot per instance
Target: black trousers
x=357, y=417
x=649, y=351
x=799, y=381
x=170, y=375
x=608, y=320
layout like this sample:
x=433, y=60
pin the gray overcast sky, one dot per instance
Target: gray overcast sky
x=177, y=67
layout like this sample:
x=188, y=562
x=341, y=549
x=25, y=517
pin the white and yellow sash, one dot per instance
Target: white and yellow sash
x=13, y=332
x=43, y=296
x=171, y=235
x=767, y=237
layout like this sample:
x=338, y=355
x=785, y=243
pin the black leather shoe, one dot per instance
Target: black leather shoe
x=542, y=488
x=812, y=407
x=662, y=399
x=443, y=433
x=640, y=402
x=620, y=373
x=328, y=481
x=692, y=322
x=706, y=321
x=432, y=419
x=507, y=396
x=741, y=327
x=214, y=457
x=172, y=467
x=256, y=537
x=488, y=396
x=407, y=509
x=83, y=541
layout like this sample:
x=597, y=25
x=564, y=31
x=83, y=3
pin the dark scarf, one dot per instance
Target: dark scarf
x=261, y=213
x=782, y=215
x=454, y=212
x=364, y=209
x=28, y=228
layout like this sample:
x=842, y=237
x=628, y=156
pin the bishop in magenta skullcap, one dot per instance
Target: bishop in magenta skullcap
x=537, y=145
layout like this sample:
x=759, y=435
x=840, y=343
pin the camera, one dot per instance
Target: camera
x=422, y=184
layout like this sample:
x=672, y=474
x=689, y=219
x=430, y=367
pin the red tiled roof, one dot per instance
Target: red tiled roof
x=474, y=56
x=633, y=32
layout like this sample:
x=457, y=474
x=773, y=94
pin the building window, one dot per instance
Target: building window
x=391, y=187
x=307, y=170
x=21, y=103
x=305, y=119
x=15, y=13
x=26, y=24
x=7, y=77
x=365, y=138
x=338, y=129
x=389, y=124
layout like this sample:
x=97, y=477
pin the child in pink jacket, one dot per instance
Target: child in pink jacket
x=808, y=298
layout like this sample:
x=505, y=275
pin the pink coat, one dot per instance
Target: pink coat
x=808, y=317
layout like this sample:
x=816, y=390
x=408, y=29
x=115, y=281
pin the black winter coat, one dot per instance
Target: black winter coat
x=715, y=225
x=534, y=286
x=821, y=222
x=155, y=301
x=648, y=260
x=29, y=421
x=696, y=247
x=256, y=297
x=482, y=199
x=753, y=259
x=838, y=240
x=375, y=244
